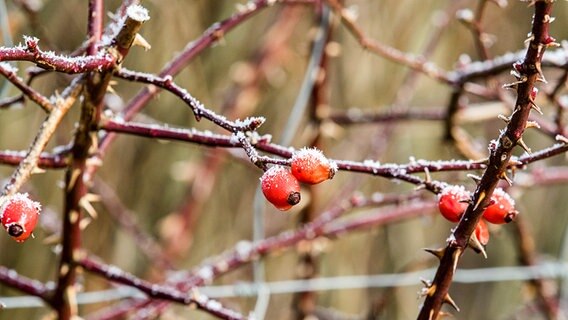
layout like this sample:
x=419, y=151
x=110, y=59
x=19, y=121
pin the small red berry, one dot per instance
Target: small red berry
x=502, y=209
x=452, y=202
x=280, y=187
x=311, y=166
x=19, y=215
x=482, y=232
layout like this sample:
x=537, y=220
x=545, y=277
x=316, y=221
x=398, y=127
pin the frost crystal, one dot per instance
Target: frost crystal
x=8, y=67
x=205, y=273
x=244, y=249
x=138, y=13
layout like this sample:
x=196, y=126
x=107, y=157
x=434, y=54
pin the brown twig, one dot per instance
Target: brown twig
x=27, y=166
x=27, y=91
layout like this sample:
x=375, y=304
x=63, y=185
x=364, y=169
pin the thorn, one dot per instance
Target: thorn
x=535, y=107
x=430, y=291
x=52, y=239
x=451, y=302
x=476, y=245
x=438, y=253
x=455, y=258
x=426, y=282
x=38, y=170
x=84, y=223
x=514, y=163
x=420, y=187
x=532, y=124
x=86, y=204
x=73, y=179
x=540, y=76
x=92, y=197
x=482, y=161
x=523, y=145
x=428, y=178
x=479, y=200
x=529, y=39
x=140, y=41
x=504, y=176
x=561, y=138
x=474, y=177
x=514, y=85
x=552, y=45
x=504, y=118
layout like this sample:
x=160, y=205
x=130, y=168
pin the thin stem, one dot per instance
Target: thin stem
x=30, y=162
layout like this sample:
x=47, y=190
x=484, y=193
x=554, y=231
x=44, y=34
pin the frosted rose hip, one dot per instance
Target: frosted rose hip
x=452, y=202
x=280, y=187
x=502, y=210
x=482, y=232
x=19, y=215
x=311, y=166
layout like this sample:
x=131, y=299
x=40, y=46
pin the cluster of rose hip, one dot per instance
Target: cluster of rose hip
x=281, y=185
x=454, y=200
x=19, y=215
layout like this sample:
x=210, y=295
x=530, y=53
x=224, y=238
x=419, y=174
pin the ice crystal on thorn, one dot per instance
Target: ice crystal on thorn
x=138, y=13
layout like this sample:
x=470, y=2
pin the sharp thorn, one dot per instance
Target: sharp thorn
x=535, y=107
x=532, y=124
x=504, y=176
x=474, y=177
x=451, y=302
x=561, y=138
x=476, y=245
x=479, y=200
x=428, y=178
x=426, y=282
x=438, y=253
x=504, y=118
x=523, y=145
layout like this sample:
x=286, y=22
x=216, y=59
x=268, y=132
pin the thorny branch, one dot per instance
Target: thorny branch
x=530, y=72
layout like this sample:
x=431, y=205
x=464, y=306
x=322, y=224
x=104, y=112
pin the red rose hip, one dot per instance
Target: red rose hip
x=502, y=210
x=311, y=166
x=280, y=187
x=19, y=215
x=452, y=202
x=482, y=232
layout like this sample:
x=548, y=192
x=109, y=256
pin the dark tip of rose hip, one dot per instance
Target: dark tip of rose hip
x=15, y=230
x=294, y=198
x=511, y=216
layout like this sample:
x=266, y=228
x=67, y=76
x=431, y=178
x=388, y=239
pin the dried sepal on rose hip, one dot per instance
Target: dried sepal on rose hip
x=502, y=208
x=19, y=215
x=453, y=201
x=310, y=166
x=280, y=187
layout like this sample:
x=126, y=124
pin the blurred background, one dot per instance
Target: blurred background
x=197, y=202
